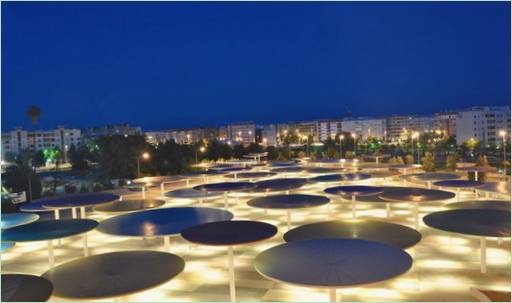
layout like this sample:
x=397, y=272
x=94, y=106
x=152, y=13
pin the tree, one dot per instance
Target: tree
x=239, y=151
x=34, y=113
x=451, y=161
x=254, y=148
x=118, y=155
x=409, y=159
x=428, y=162
x=273, y=153
x=38, y=159
x=78, y=157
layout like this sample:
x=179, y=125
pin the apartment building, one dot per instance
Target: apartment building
x=242, y=132
x=329, y=129
x=365, y=127
x=91, y=133
x=401, y=127
x=446, y=122
x=483, y=124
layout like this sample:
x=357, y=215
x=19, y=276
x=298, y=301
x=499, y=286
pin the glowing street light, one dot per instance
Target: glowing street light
x=144, y=156
x=503, y=134
x=202, y=149
x=342, y=137
x=414, y=136
x=353, y=135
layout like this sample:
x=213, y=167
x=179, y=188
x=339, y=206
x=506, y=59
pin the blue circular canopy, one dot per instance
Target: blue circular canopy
x=290, y=169
x=229, y=232
x=48, y=230
x=162, y=221
x=113, y=274
x=279, y=184
x=204, y=173
x=129, y=205
x=436, y=176
x=372, y=230
x=322, y=170
x=353, y=190
x=288, y=201
x=332, y=263
x=188, y=193
x=283, y=164
x=233, y=169
x=480, y=204
x=476, y=222
x=25, y=288
x=16, y=219
x=224, y=186
x=415, y=194
x=459, y=183
x=326, y=178
x=376, y=197
x=252, y=175
x=355, y=176
x=78, y=200
x=33, y=207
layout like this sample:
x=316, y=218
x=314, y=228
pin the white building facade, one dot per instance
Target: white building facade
x=328, y=129
x=365, y=127
x=242, y=132
x=483, y=124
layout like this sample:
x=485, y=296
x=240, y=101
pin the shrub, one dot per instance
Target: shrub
x=84, y=189
x=97, y=187
x=428, y=162
x=349, y=154
x=451, y=161
x=409, y=159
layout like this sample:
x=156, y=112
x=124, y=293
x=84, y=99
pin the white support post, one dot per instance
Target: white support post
x=73, y=213
x=162, y=189
x=167, y=243
x=388, y=210
x=120, y=198
x=332, y=295
x=429, y=184
x=51, y=257
x=226, y=200
x=231, y=265
x=476, y=175
x=500, y=241
x=354, y=215
x=143, y=193
x=82, y=212
x=288, y=219
x=483, y=255
x=458, y=194
x=56, y=214
x=86, y=248
x=416, y=215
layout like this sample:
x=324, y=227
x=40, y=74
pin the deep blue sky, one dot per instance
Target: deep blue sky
x=163, y=65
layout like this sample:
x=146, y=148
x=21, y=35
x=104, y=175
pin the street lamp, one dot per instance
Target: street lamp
x=413, y=136
x=342, y=137
x=307, y=144
x=503, y=134
x=355, y=145
x=202, y=150
x=144, y=156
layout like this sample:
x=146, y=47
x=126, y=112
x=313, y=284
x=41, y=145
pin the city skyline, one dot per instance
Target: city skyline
x=155, y=65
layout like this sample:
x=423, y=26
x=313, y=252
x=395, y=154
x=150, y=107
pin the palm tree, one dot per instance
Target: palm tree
x=34, y=113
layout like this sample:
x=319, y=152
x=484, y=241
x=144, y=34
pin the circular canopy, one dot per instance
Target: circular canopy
x=291, y=169
x=436, y=176
x=480, y=204
x=229, y=232
x=17, y=219
x=414, y=194
x=372, y=230
x=156, y=179
x=459, y=183
x=326, y=178
x=355, y=176
x=322, y=170
x=232, y=169
x=476, y=222
x=25, y=288
x=480, y=169
x=376, y=198
x=282, y=164
x=129, y=205
x=225, y=186
x=409, y=176
x=78, y=200
x=288, y=201
x=48, y=230
x=113, y=274
x=404, y=166
x=353, y=190
x=6, y=246
x=332, y=262
x=252, y=175
x=496, y=187
x=204, y=173
x=162, y=221
x=188, y=193
x=33, y=207
x=384, y=174
x=279, y=184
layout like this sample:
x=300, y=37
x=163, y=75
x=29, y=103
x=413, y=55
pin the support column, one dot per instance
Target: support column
x=73, y=213
x=288, y=219
x=483, y=255
x=231, y=265
x=354, y=215
x=332, y=295
x=388, y=210
x=82, y=212
x=51, y=257
x=86, y=248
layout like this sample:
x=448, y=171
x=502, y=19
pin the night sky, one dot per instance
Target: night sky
x=164, y=65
